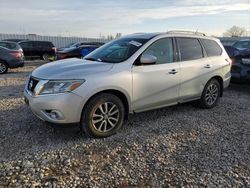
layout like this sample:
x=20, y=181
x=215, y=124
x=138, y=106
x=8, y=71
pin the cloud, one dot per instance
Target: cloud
x=78, y=17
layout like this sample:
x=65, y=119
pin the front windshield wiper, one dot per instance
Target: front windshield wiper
x=90, y=59
x=93, y=59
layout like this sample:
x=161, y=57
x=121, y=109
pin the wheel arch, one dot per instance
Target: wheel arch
x=4, y=61
x=220, y=80
x=115, y=92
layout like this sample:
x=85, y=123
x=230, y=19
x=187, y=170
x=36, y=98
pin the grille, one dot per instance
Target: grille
x=32, y=84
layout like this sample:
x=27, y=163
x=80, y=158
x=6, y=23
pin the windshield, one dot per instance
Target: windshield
x=117, y=51
x=9, y=45
x=242, y=44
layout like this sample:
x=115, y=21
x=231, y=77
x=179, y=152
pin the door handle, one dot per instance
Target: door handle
x=173, y=71
x=208, y=66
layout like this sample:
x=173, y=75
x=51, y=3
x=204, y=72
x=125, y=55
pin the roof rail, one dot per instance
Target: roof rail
x=186, y=32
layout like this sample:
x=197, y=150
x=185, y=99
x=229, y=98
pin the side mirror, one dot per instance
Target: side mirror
x=148, y=59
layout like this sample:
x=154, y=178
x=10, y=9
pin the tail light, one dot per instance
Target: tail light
x=233, y=61
x=54, y=49
x=62, y=56
x=230, y=61
x=17, y=55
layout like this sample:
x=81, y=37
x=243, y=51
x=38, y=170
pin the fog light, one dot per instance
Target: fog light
x=54, y=114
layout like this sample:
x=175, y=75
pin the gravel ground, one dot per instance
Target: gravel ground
x=175, y=146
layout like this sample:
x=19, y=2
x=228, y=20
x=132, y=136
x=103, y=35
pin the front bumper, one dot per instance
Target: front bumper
x=68, y=105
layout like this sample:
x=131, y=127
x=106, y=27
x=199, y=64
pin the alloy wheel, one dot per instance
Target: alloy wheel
x=211, y=94
x=105, y=117
x=2, y=67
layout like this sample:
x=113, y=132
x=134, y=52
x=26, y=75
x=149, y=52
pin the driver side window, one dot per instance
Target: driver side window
x=162, y=49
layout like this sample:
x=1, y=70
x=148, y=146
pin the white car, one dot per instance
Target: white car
x=135, y=73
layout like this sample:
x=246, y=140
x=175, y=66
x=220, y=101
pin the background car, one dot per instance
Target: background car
x=38, y=49
x=15, y=40
x=78, y=44
x=240, y=70
x=11, y=56
x=78, y=52
x=242, y=44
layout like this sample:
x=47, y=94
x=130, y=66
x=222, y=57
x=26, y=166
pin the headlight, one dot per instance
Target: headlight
x=58, y=86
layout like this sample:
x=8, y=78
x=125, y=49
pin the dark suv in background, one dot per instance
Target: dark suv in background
x=11, y=56
x=38, y=49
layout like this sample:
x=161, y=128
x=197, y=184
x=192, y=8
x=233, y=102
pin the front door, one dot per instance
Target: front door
x=157, y=85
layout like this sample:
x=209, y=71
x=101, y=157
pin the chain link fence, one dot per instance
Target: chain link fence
x=58, y=41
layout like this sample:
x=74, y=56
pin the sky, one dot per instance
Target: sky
x=92, y=18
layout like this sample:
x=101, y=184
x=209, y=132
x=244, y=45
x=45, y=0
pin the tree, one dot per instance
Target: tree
x=110, y=37
x=118, y=35
x=235, y=31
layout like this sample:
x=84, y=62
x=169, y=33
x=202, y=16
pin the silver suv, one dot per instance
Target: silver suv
x=135, y=73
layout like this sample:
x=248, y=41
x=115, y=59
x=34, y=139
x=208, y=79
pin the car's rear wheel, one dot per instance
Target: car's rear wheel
x=210, y=95
x=3, y=67
x=103, y=115
x=46, y=57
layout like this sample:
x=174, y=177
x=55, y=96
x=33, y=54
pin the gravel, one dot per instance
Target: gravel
x=175, y=146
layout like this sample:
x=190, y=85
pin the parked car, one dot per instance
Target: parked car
x=11, y=56
x=242, y=44
x=132, y=74
x=15, y=40
x=78, y=52
x=38, y=49
x=78, y=44
x=244, y=47
x=240, y=69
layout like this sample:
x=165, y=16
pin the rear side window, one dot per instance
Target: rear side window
x=26, y=44
x=46, y=44
x=37, y=44
x=190, y=49
x=8, y=45
x=211, y=47
x=42, y=44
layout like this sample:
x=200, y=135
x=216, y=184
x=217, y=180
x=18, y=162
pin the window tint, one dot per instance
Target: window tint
x=8, y=45
x=46, y=44
x=163, y=50
x=190, y=49
x=38, y=44
x=26, y=44
x=211, y=47
x=117, y=51
x=242, y=44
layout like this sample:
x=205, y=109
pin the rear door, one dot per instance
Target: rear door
x=37, y=48
x=195, y=68
x=157, y=85
x=27, y=48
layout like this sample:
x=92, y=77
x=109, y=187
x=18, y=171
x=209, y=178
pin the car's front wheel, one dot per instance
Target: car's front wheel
x=210, y=95
x=103, y=115
x=3, y=67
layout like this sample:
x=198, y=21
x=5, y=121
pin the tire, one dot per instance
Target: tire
x=210, y=95
x=102, y=116
x=3, y=67
x=45, y=57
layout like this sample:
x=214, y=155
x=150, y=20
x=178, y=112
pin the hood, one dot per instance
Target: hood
x=70, y=69
x=66, y=49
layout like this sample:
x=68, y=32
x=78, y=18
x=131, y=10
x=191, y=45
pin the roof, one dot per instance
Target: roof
x=169, y=33
x=142, y=35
